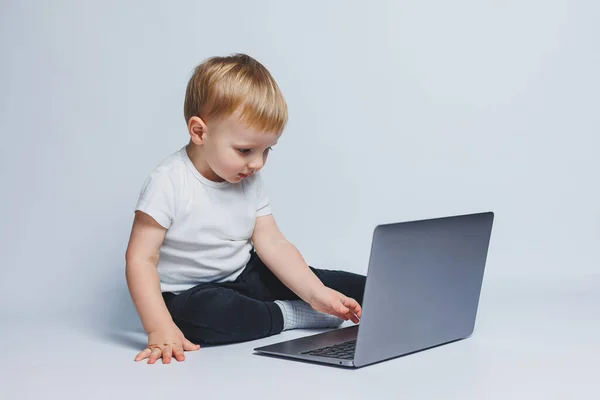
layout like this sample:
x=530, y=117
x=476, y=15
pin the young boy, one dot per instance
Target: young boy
x=206, y=262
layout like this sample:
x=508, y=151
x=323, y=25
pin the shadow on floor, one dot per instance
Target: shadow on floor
x=116, y=320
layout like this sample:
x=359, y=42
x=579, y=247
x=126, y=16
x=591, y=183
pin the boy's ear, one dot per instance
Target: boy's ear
x=197, y=130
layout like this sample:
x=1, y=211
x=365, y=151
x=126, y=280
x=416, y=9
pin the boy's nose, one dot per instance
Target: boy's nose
x=255, y=165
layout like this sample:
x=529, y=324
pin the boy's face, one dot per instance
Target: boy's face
x=231, y=150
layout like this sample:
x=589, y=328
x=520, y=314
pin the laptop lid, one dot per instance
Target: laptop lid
x=423, y=285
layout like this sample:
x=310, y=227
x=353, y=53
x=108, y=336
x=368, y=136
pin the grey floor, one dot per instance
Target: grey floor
x=534, y=339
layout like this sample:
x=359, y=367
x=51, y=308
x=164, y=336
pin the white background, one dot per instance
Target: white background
x=398, y=111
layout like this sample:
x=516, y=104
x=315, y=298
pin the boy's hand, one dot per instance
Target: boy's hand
x=166, y=343
x=335, y=303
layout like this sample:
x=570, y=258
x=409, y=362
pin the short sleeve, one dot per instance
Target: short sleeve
x=263, y=201
x=157, y=199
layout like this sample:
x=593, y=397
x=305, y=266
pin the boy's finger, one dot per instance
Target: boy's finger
x=341, y=309
x=350, y=303
x=167, y=354
x=189, y=346
x=354, y=306
x=143, y=355
x=352, y=317
x=336, y=312
x=154, y=355
x=178, y=354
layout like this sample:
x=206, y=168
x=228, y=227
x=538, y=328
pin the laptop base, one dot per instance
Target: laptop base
x=295, y=347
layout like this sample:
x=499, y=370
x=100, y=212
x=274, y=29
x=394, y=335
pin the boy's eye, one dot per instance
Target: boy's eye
x=247, y=151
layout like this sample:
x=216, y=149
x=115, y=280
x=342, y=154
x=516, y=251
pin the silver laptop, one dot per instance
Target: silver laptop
x=422, y=290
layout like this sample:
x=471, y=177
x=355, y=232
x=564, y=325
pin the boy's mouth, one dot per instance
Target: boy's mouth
x=243, y=176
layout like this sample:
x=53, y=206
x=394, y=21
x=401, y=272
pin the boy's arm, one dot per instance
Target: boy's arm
x=286, y=262
x=165, y=339
x=141, y=274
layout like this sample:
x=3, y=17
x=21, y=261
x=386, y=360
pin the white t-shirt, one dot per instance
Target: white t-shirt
x=209, y=224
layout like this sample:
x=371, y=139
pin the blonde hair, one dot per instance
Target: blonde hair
x=222, y=86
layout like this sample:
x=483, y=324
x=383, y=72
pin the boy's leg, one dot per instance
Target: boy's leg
x=228, y=312
x=216, y=314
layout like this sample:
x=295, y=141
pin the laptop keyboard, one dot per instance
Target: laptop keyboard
x=344, y=350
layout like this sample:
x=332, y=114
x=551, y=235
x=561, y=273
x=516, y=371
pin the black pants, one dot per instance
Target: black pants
x=242, y=310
